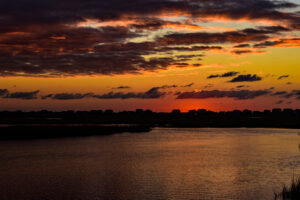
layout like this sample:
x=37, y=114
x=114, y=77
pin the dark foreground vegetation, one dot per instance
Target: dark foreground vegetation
x=47, y=124
x=27, y=132
x=289, y=193
x=276, y=118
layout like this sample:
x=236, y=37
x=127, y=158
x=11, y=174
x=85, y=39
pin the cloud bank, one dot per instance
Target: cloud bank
x=52, y=38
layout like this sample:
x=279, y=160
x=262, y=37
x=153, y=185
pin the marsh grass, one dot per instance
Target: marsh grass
x=289, y=193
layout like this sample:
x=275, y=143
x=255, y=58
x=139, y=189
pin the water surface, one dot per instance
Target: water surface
x=183, y=164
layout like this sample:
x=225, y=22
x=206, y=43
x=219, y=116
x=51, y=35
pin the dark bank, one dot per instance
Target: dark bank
x=38, y=131
x=48, y=124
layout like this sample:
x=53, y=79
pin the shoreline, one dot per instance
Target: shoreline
x=48, y=131
x=27, y=132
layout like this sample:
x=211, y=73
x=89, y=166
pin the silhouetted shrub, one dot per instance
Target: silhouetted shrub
x=291, y=193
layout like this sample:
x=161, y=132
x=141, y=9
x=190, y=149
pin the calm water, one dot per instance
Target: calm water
x=164, y=164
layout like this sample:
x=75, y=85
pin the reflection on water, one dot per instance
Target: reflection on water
x=163, y=164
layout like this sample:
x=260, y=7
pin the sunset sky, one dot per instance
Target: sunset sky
x=151, y=54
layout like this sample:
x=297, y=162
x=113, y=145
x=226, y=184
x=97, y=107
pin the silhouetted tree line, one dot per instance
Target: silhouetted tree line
x=285, y=118
x=275, y=111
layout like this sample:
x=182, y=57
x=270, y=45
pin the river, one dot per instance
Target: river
x=166, y=164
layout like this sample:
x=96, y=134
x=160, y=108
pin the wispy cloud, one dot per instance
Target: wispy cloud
x=235, y=94
x=283, y=77
x=121, y=87
x=225, y=75
x=22, y=95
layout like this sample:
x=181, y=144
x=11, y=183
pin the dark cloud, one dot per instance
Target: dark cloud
x=46, y=96
x=49, y=12
x=287, y=94
x=239, y=9
x=175, y=86
x=197, y=65
x=246, y=78
x=188, y=85
x=22, y=95
x=4, y=93
x=213, y=76
x=242, y=46
x=193, y=48
x=185, y=57
x=89, y=59
x=240, y=52
x=280, y=93
x=235, y=94
x=294, y=93
x=281, y=42
x=242, y=86
x=227, y=74
x=167, y=86
x=283, y=77
x=82, y=64
x=121, y=87
x=240, y=36
x=266, y=44
x=153, y=93
x=68, y=96
x=43, y=38
x=150, y=23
